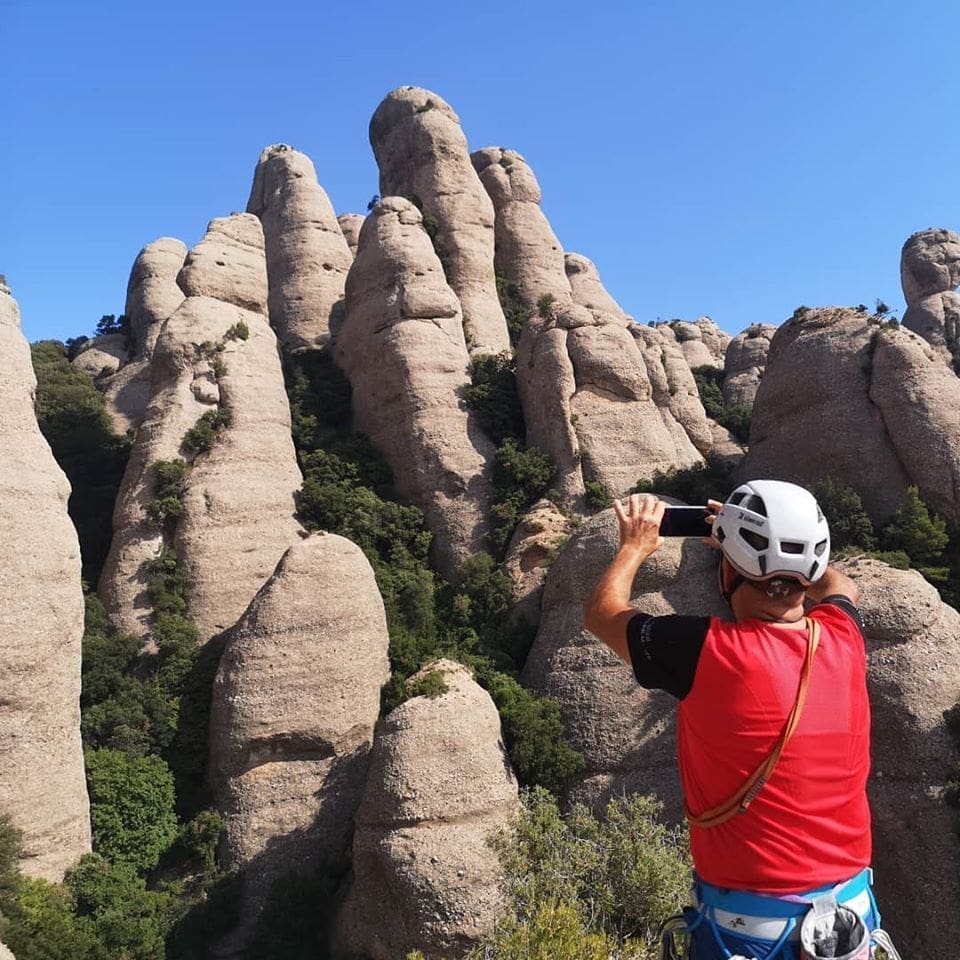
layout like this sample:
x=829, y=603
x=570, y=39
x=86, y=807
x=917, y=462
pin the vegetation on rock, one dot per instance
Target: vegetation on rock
x=73, y=417
x=735, y=417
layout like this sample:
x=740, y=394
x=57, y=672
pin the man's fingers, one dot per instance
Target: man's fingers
x=619, y=511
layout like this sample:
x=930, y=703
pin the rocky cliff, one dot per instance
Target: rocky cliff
x=307, y=255
x=42, y=783
x=410, y=401
x=586, y=393
x=295, y=700
x=930, y=275
x=745, y=362
x=439, y=785
x=423, y=156
x=216, y=358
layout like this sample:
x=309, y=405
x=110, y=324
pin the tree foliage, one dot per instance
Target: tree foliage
x=73, y=417
x=735, y=417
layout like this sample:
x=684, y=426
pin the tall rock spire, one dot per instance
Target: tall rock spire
x=42, y=783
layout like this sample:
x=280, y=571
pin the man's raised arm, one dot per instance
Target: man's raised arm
x=608, y=610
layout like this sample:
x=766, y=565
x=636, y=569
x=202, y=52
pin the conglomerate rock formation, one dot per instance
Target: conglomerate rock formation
x=294, y=705
x=586, y=394
x=703, y=343
x=422, y=153
x=745, y=362
x=152, y=296
x=930, y=275
x=216, y=353
x=402, y=347
x=843, y=389
x=440, y=784
x=42, y=783
x=307, y=255
x=350, y=224
x=5, y=953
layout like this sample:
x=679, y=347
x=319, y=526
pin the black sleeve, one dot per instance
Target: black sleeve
x=664, y=651
x=847, y=606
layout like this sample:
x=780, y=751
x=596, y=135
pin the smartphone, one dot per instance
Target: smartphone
x=685, y=522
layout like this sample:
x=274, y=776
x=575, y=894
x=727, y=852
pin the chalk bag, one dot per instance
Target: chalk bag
x=832, y=932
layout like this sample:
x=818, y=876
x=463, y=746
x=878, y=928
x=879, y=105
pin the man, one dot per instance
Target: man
x=773, y=722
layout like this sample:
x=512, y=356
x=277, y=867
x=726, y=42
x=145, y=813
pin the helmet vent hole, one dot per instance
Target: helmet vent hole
x=790, y=546
x=721, y=534
x=754, y=539
x=756, y=505
x=820, y=547
x=737, y=498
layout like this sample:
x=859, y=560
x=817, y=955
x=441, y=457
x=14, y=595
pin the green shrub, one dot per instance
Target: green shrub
x=849, y=524
x=239, y=331
x=201, y=436
x=520, y=478
x=170, y=477
x=493, y=397
x=622, y=875
x=73, y=418
x=597, y=496
x=711, y=480
x=514, y=309
x=131, y=807
x=430, y=685
x=914, y=531
x=545, y=306
x=736, y=417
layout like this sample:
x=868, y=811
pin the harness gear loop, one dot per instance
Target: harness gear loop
x=747, y=793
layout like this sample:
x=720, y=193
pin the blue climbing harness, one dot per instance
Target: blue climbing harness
x=730, y=923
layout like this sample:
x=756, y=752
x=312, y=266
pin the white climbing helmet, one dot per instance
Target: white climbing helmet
x=770, y=528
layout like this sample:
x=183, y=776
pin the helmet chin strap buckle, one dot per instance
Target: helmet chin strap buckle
x=777, y=588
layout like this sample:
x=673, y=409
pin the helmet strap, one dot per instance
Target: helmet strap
x=738, y=581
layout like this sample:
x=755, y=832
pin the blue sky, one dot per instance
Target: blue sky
x=732, y=159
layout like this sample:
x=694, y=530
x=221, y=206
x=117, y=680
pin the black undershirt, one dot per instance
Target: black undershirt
x=664, y=650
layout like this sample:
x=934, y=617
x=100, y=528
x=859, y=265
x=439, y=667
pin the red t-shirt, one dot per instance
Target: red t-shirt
x=810, y=824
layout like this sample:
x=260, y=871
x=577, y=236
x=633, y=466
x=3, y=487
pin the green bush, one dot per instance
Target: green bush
x=131, y=807
x=621, y=875
x=914, y=531
x=520, y=478
x=736, y=417
x=493, y=397
x=711, y=480
x=545, y=306
x=239, y=331
x=849, y=524
x=515, y=310
x=597, y=496
x=201, y=436
x=170, y=477
x=430, y=685
x=73, y=417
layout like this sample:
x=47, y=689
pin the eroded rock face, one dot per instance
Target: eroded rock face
x=152, y=296
x=439, y=785
x=585, y=390
x=294, y=705
x=626, y=734
x=814, y=416
x=350, y=224
x=5, y=953
x=919, y=398
x=402, y=347
x=930, y=275
x=307, y=255
x=703, y=343
x=587, y=288
x=913, y=642
x=102, y=356
x=746, y=360
x=422, y=152
x=238, y=509
x=42, y=783
x=533, y=546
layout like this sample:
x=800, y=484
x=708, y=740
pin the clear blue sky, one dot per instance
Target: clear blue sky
x=732, y=159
